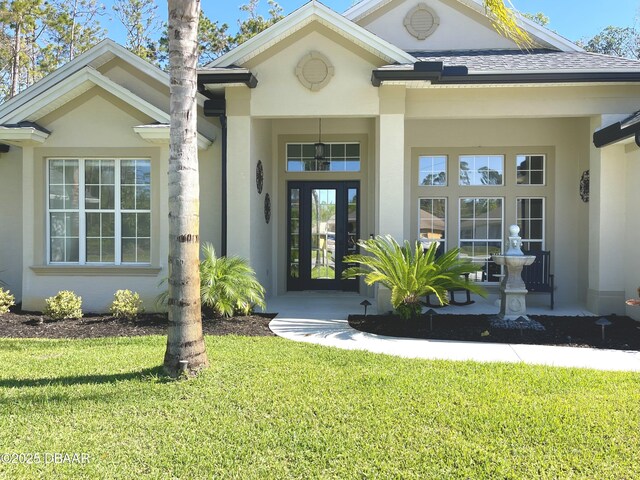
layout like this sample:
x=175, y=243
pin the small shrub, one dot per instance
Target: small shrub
x=126, y=304
x=410, y=272
x=6, y=301
x=65, y=304
x=228, y=285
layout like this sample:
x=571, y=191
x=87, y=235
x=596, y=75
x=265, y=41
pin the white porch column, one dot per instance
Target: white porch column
x=607, y=229
x=239, y=171
x=390, y=163
x=390, y=173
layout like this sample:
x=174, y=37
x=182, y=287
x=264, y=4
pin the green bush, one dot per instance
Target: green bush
x=228, y=285
x=65, y=304
x=6, y=301
x=126, y=304
x=411, y=273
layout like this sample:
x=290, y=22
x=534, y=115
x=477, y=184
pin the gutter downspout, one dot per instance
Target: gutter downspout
x=218, y=108
x=223, y=203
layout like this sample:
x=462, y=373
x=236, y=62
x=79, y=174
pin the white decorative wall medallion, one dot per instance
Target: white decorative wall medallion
x=314, y=71
x=421, y=21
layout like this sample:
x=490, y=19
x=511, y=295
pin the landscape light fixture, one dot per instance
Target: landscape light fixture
x=365, y=304
x=603, y=322
x=319, y=146
x=431, y=312
x=521, y=322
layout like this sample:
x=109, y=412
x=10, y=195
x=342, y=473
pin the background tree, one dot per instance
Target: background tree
x=141, y=22
x=185, y=342
x=213, y=41
x=539, y=18
x=617, y=41
x=256, y=23
x=74, y=28
x=22, y=22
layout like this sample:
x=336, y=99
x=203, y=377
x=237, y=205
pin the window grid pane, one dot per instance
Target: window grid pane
x=85, y=228
x=433, y=222
x=481, y=230
x=338, y=157
x=135, y=203
x=433, y=171
x=530, y=219
x=64, y=201
x=530, y=169
x=481, y=170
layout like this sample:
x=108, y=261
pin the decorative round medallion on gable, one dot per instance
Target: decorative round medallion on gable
x=314, y=71
x=421, y=21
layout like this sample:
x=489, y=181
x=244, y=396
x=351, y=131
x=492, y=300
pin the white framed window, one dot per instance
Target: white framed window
x=481, y=226
x=432, y=221
x=338, y=157
x=432, y=170
x=99, y=211
x=530, y=170
x=530, y=216
x=481, y=170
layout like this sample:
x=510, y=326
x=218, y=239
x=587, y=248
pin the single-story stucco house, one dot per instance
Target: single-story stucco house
x=405, y=117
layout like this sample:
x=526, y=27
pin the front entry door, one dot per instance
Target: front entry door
x=323, y=227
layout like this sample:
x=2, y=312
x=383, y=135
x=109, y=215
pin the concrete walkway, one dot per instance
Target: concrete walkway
x=320, y=318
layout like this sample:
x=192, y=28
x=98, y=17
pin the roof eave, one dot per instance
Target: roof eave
x=453, y=77
x=615, y=133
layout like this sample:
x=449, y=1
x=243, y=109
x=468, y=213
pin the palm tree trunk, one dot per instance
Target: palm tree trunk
x=185, y=342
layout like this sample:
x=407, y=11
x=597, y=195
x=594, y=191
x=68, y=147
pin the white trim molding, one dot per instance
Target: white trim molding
x=308, y=13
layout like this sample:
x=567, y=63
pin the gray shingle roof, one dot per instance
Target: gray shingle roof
x=540, y=60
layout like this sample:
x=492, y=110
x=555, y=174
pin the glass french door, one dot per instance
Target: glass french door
x=323, y=227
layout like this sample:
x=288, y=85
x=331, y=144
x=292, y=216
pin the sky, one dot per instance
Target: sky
x=573, y=19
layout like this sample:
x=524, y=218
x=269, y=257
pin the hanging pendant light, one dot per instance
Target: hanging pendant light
x=319, y=146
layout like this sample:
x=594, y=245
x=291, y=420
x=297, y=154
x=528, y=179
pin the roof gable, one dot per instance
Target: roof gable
x=365, y=13
x=94, y=57
x=73, y=86
x=312, y=12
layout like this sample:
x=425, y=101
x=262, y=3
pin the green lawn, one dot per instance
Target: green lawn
x=271, y=408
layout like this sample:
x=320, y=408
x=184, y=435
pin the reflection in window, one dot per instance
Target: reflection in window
x=481, y=170
x=88, y=223
x=530, y=219
x=339, y=157
x=481, y=229
x=530, y=169
x=433, y=222
x=433, y=171
x=294, y=233
x=64, y=204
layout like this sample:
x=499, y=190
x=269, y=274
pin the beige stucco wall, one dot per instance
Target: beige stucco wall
x=11, y=220
x=261, y=231
x=542, y=101
x=95, y=124
x=632, y=232
x=280, y=94
x=562, y=140
x=388, y=23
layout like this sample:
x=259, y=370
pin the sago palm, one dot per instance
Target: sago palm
x=411, y=273
x=228, y=285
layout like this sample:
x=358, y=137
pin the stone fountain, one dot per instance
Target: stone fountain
x=513, y=305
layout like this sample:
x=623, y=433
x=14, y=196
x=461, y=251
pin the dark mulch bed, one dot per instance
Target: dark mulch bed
x=623, y=334
x=21, y=324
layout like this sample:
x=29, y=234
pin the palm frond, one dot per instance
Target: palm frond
x=410, y=272
x=505, y=22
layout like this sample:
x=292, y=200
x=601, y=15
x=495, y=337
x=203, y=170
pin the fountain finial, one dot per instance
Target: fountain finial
x=515, y=242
